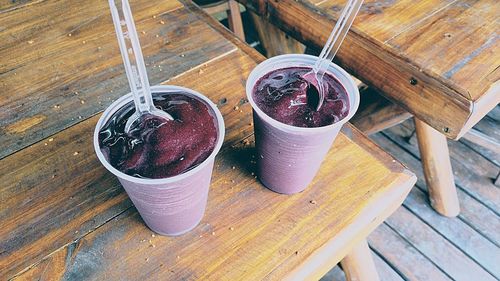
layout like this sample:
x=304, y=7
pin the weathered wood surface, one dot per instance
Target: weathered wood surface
x=472, y=171
x=403, y=256
x=64, y=216
x=437, y=59
x=474, y=232
x=245, y=242
x=50, y=80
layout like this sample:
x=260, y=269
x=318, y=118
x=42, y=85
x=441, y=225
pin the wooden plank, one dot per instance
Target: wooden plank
x=389, y=72
x=444, y=254
x=472, y=172
x=461, y=45
x=256, y=237
x=473, y=213
x=60, y=80
x=41, y=180
x=464, y=237
x=376, y=113
x=9, y=5
x=407, y=260
x=483, y=140
x=491, y=128
x=385, y=271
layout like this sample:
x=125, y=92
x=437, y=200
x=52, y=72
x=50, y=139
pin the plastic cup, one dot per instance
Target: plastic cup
x=289, y=157
x=169, y=206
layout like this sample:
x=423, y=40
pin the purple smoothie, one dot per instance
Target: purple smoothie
x=282, y=95
x=158, y=148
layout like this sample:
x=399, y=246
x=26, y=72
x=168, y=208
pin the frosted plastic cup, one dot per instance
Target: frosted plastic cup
x=289, y=157
x=169, y=206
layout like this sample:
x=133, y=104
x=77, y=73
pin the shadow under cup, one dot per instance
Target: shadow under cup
x=174, y=205
x=289, y=157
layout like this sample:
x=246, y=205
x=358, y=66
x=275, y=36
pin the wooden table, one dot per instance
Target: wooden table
x=437, y=59
x=63, y=216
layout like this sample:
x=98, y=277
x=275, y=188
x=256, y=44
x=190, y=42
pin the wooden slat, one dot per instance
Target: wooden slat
x=54, y=179
x=9, y=5
x=473, y=173
x=491, y=128
x=385, y=271
x=464, y=237
x=376, y=113
x=388, y=69
x=474, y=213
x=450, y=259
x=59, y=80
x=483, y=140
x=403, y=256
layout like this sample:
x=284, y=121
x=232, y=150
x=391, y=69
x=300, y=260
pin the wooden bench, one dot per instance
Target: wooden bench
x=439, y=60
x=63, y=216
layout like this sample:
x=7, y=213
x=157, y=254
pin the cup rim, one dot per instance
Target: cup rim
x=156, y=89
x=258, y=72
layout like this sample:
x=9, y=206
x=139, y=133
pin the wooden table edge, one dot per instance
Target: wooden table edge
x=372, y=215
x=481, y=107
x=473, y=111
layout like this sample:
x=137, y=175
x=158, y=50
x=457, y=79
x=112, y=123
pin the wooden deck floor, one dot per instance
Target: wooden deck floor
x=416, y=243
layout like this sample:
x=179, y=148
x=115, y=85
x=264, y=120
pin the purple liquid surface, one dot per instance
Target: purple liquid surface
x=282, y=95
x=158, y=148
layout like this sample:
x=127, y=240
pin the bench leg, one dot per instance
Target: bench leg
x=234, y=18
x=358, y=264
x=437, y=169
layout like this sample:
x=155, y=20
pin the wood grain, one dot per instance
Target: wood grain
x=411, y=81
x=55, y=179
x=59, y=80
x=450, y=259
x=64, y=217
x=263, y=237
x=403, y=256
